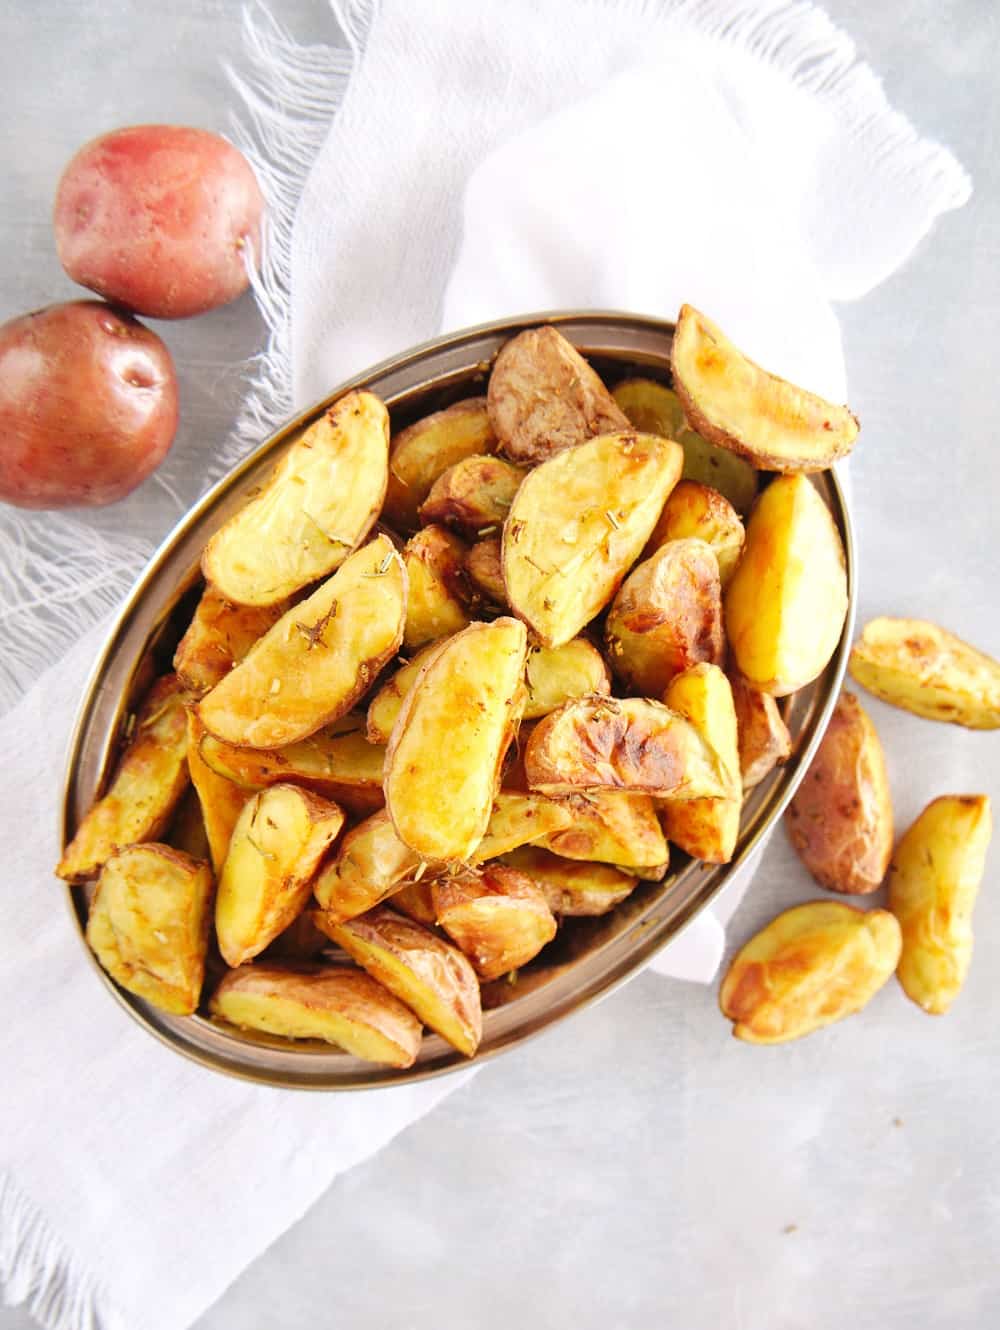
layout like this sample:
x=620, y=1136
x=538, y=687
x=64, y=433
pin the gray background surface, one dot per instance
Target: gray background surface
x=637, y=1164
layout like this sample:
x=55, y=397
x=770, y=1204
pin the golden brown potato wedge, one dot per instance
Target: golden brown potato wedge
x=474, y=495
x=447, y=748
x=666, y=617
x=300, y=941
x=811, y=966
x=698, y=511
x=734, y=403
x=432, y=977
x=423, y=451
x=572, y=887
x=612, y=827
x=339, y=1006
x=385, y=706
x=707, y=829
x=435, y=568
x=656, y=409
x=555, y=675
x=762, y=735
x=414, y=900
x=145, y=789
x=318, y=659
x=519, y=819
x=498, y=917
x=544, y=397
x=934, y=878
x=786, y=603
x=577, y=524
x=321, y=501
x=218, y=637
x=220, y=799
x=370, y=863
x=627, y=743
x=187, y=830
x=485, y=571
x=148, y=924
x=840, y=820
x=924, y=669
x=277, y=844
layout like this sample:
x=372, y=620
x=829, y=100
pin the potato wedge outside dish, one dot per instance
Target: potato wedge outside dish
x=707, y=829
x=425, y=450
x=218, y=637
x=572, y=887
x=496, y=915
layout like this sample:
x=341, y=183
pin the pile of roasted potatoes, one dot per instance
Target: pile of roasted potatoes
x=447, y=688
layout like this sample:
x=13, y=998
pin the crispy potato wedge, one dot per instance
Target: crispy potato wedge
x=555, y=675
x=218, y=637
x=485, y=571
x=613, y=827
x=572, y=887
x=519, y=819
x=698, y=511
x=498, y=917
x=544, y=397
x=707, y=829
x=811, y=966
x=148, y=924
x=627, y=743
x=786, y=603
x=924, y=669
x=414, y=900
x=735, y=404
x=435, y=568
x=447, y=748
x=474, y=495
x=266, y=881
x=300, y=941
x=762, y=735
x=221, y=801
x=666, y=617
x=656, y=409
x=145, y=789
x=318, y=659
x=423, y=451
x=840, y=820
x=321, y=501
x=370, y=863
x=934, y=878
x=187, y=830
x=387, y=703
x=577, y=524
x=432, y=977
x=336, y=762
x=339, y=1006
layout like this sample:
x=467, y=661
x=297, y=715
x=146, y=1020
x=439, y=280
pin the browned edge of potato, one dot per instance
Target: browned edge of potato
x=693, y=510
x=761, y=733
x=496, y=915
x=437, y=598
x=572, y=886
x=218, y=637
x=424, y=450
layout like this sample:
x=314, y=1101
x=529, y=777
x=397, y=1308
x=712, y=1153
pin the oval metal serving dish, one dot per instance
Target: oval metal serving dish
x=591, y=957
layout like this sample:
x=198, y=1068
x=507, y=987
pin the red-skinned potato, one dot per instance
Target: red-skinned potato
x=159, y=218
x=88, y=406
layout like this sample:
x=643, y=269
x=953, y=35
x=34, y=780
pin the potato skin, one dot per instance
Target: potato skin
x=934, y=878
x=498, y=916
x=474, y=495
x=88, y=406
x=840, y=820
x=485, y=571
x=368, y=865
x=424, y=450
x=761, y=734
x=160, y=219
x=572, y=887
x=702, y=512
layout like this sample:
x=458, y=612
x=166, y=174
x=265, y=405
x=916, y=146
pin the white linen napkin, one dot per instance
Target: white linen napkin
x=597, y=153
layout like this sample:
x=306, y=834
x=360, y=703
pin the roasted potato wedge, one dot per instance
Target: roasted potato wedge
x=544, y=397
x=145, y=789
x=318, y=659
x=148, y=924
x=577, y=524
x=572, y=887
x=698, y=511
x=934, y=878
x=555, y=675
x=666, y=617
x=840, y=820
x=432, y=977
x=656, y=409
x=474, y=495
x=187, y=830
x=707, y=829
x=627, y=743
x=423, y=451
x=498, y=917
x=519, y=819
x=370, y=863
x=613, y=827
x=445, y=755
x=786, y=603
x=924, y=669
x=811, y=966
x=266, y=881
x=218, y=637
x=485, y=570
x=343, y=1007
x=734, y=403
x=321, y=501
x=387, y=703
x=221, y=801
x=436, y=604
x=414, y=900
x=761, y=733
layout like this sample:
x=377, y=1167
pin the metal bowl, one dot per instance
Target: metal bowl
x=591, y=957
